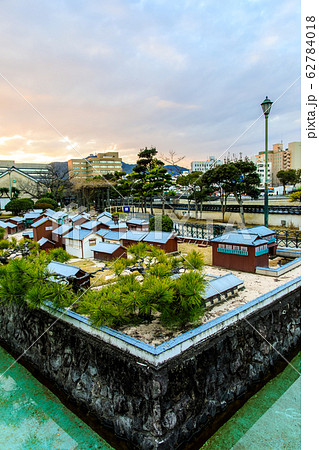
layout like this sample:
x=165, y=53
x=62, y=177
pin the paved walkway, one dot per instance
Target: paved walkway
x=31, y=417
x=268, y=420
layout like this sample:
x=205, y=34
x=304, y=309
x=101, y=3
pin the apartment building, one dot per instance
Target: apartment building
x=94, y=165
x=203, y=166
x=279, y=159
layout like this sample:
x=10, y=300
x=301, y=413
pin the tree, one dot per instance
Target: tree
x=19, y=205
x=6, y=192
x=196, y=189
x=238, y=178
x=290, y=176
x=149, y=178
x=217, y=179
x=166, y=223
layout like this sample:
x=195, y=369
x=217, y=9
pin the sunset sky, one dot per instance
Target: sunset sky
x=79, y=77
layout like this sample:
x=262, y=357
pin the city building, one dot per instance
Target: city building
x=94, y=165
x=203, y=166
x=279, y=159
x=16, y=178
x=261, y=172
x=34, y=170
x=294, y=148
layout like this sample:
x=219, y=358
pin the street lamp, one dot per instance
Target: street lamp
x=266, y=106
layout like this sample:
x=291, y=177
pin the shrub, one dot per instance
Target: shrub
x=59, y=255
x=52, y=204
x=166, y=223
x=18, y=205
x=295, y=196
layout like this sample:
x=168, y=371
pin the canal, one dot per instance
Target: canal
x=32, y=417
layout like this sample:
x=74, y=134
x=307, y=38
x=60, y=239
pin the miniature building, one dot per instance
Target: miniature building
x=30, y=218
x=93, y=225
x=138, y=225
x=79, y=242
x=43, y=228
x=9, y=227
x=18, y=221
x=107, y=252
x=59, y=233
x=241, y=250
x=46, y=244
x=132, y=237
x=162, y=239
x=265, y=233
x=66, y=272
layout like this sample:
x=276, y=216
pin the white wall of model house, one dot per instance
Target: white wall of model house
x=82, y=248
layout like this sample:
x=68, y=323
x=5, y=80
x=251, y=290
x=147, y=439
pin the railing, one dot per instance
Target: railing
x=285, y=238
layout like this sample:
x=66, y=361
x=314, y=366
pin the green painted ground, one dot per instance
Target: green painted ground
x=268, y=420
x=31, y=417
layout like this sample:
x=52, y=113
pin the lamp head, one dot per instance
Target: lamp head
x=266, y=106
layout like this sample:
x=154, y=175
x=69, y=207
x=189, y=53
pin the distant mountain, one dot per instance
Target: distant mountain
x=127, y=168
x=173, y=170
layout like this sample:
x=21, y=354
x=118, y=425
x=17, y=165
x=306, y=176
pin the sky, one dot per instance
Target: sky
x=184, y=76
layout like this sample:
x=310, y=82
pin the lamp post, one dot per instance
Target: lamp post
x=266, y=106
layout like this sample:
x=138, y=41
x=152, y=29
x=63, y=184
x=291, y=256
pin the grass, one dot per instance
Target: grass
x=185, y=248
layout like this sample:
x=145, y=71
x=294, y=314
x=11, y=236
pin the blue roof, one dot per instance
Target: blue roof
x=104, y=214
x=105, y=247
x=221, y=284
x=62, y=269
x=80, y=216
x=137, y=221
x=261, y=230
x=29, y=234
x=10, y=224
x=113, y=235
x=160, y=237
x=62, y=229
x=43, y=240
x=90, y=225
x=41, y=221
x=31, y=215
x=241, y=238
x=3, y=224
x=17, y=218
x=134, y=235
x=77, y=234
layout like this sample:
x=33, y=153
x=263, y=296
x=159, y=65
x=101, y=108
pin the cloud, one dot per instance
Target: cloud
x=178, y=75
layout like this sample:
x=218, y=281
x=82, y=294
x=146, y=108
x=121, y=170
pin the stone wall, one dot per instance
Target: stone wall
x=158, y=406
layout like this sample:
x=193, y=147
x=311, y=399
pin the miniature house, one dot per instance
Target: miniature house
x=162, y=239
x=243, y=249
x=107, y=252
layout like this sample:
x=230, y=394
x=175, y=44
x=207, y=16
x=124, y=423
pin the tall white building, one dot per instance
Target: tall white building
x=203, y=166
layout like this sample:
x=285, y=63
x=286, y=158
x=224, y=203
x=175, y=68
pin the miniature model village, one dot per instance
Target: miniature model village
x=234, y=265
